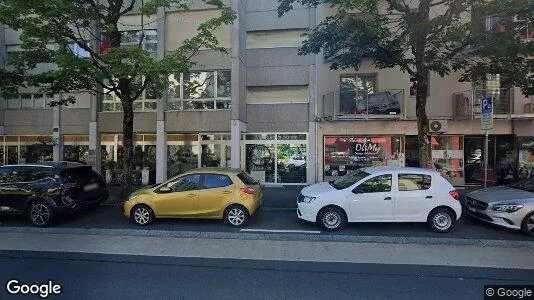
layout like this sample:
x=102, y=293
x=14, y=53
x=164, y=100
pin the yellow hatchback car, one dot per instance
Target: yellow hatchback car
x=207, y=193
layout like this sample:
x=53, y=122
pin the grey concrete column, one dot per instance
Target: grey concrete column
x=56, y=132
x=95, y=153
x=161, y=135
x=239, y=80
x=313, y=165
x=3, y=57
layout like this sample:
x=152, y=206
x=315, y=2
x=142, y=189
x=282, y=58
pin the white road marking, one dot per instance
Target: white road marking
x=280, y=231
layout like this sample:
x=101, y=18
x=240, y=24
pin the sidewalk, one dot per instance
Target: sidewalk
x=273, y=250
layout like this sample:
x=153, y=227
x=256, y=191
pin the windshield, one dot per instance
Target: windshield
x=348, y=180
x=525, y=185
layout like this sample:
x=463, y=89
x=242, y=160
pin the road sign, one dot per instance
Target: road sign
x=487, y=114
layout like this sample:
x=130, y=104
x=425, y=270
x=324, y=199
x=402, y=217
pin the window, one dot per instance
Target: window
x=414, y=182
x=206, y=90
x=354, y=90
x=186, y=183
x=79, y=51
x=131, y=39
x=376, y=184
x=247, y=179
x=5, y=175
x=347, y=181
x=147, y=102
x=212, y=181
x=29, y=101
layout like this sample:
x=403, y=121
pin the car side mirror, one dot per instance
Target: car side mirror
x=165, y=189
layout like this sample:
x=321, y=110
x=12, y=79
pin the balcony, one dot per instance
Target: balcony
x=467, y=104
x=350, y=105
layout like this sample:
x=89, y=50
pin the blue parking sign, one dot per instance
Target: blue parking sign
x=487, y=114
x=487, y=106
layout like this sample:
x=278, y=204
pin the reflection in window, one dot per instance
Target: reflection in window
x=414, y=182
x=376, y=184
x=353, y=93
x=200, y=91
x=198, y=85
x=186, y=183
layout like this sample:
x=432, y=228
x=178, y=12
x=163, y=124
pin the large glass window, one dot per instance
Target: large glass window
x=353, y=93
x=276, y=158
x=131, y=39
x=448, y=157
x=147, y=102
x=26, y=149
x=29, y=101
x=526, y=157
x=200, y=90
x=345, y=154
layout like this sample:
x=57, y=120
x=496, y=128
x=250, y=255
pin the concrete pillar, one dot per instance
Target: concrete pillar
x=56, y=132
x=312, y=159
x=161, y=135
x=239, y=81
x=95, y=153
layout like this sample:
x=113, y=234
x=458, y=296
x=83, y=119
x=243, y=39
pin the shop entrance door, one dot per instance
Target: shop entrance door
x=474, y=159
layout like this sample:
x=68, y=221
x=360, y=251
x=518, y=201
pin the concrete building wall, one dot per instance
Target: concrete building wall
x=197, y=121
x=75, y=121
x=277, y=117
x=111, y=122
x=28, y=122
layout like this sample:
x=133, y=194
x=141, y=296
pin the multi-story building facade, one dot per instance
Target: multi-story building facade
x=285, y=118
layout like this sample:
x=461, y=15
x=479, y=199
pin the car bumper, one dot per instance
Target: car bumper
x=81, y=205
x=307, y=212
x=506, y=220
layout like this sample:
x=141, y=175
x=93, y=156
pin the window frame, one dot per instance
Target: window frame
x=203, y=181
x=16, y=103
x=355, y=189
x=421, y=187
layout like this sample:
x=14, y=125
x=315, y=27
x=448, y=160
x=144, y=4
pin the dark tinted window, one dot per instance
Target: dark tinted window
x=186, y=183
x=78, y=174
x=212, y=181
x=5, y=175
x=414, y=182
x=376, y=184
x=526, y=185
x=247, y=179
x=28, y=174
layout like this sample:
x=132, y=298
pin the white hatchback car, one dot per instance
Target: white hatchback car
x=382, y=195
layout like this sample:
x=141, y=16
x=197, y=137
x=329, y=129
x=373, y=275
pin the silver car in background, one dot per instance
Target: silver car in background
x=509, y=206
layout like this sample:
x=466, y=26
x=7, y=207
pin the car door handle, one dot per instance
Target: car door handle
x=387, y=198
x=226, y=192
x=429, y=197
x=191, y=195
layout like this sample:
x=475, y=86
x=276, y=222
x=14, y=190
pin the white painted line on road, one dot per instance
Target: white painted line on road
x=280, y=231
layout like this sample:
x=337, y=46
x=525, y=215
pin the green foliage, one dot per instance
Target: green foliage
x=389, y=32
x=51, y=28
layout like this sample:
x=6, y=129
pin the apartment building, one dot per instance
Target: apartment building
x=286, y=119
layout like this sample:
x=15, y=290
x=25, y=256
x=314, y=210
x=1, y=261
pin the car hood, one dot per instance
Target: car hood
x=142, y=191
x=317, y=189
x=500, y=194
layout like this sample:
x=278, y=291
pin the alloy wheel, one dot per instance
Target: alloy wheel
x=39, y=214
x=331, y=220
x=442, y=221
x=236, y=216
x=141, y=215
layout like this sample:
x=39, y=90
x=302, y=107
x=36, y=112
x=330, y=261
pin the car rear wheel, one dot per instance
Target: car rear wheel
x=40, y=213
x=142, y=215
x=236, y=216
x=441, y=220
x=527, y=226
x=332, y=219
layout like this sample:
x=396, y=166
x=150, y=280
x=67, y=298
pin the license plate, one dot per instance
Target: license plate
x=90, y=187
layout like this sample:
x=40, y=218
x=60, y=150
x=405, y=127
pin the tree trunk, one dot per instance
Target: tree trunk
x=127, y=144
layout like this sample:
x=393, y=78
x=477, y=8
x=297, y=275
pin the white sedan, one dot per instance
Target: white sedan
x=382, y=195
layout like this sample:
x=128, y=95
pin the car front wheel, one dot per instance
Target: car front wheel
x=142, y=215
x=527, y=226
x=332, y=219
x=441, y=220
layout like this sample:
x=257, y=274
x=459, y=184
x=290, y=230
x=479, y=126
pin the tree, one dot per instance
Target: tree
x=424, y=37
x=55, y=31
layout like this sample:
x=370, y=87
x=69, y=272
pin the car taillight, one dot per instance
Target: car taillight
x=248, y=190
x=454, y=194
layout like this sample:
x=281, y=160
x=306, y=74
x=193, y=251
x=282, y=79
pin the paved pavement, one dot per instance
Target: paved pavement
x=96, y=276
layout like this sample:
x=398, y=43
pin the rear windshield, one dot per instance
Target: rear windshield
x=247, y=179
x=79, y=174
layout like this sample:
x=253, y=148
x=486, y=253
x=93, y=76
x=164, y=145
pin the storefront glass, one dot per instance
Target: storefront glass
x=76, y=148
x=276, y=158
x=448, y=158
x=345, y=154
x=26, y=149
x=526, y=157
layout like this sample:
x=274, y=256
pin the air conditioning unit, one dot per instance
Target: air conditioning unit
x=436, y=126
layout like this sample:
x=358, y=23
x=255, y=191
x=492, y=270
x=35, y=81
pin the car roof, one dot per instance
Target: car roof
x=214, y=170
x=376, y=170
x=62, y=165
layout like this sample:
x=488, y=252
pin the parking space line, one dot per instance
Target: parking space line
x=280, y=231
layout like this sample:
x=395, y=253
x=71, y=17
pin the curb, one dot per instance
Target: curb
x=276, y=237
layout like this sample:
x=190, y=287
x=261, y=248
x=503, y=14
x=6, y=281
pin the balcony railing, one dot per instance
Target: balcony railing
x=467, y=104
x=343, y=105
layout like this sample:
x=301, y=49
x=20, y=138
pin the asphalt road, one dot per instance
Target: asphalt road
x=274, y=219
x=96, y=276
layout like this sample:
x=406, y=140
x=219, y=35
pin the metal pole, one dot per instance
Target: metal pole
x=486, y=142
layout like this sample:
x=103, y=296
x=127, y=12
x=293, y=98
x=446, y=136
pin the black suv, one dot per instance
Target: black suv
x=41, y=191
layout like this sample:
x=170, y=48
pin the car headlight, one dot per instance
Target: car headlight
x=507, y=207
x=131, y=197
x=307, y=199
